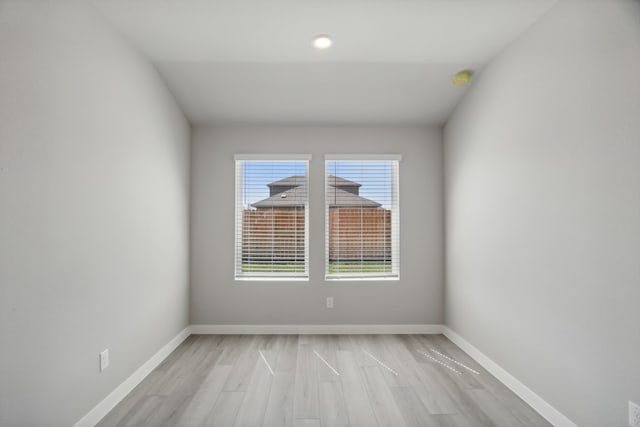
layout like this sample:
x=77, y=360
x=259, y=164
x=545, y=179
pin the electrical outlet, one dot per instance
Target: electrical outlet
x=104, y=360
x=329, y=302
x=634, y=414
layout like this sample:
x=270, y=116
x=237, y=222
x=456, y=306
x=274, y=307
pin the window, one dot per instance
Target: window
x=362, y=217
x=272, y=217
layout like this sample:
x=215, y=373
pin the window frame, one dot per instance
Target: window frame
x=394, y=275
x=239, y=161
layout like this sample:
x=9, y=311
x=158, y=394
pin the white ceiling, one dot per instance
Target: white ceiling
x=251, y=61
x=313, y=93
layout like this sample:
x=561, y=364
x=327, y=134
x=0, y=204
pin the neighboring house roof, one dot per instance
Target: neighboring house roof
x=336, y=181
x=289, y=181
x=296, y=180
x=339, y=197
x=295, y=194
x=289, y=198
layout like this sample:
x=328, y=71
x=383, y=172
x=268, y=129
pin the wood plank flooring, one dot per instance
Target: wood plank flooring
x=321, y=381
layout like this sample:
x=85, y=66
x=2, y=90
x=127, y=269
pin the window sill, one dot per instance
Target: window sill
x=362, y=279
x=270, y=279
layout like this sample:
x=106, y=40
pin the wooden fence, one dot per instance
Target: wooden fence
x=277, y=235
x=273, y=235
x=359, y=234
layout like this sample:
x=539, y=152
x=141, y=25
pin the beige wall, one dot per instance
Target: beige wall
x=543, y=211
x=217, y=299
x=93, y=213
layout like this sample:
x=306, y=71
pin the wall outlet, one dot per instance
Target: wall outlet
x=104, y=360
x=329, y=302
x=634, y=414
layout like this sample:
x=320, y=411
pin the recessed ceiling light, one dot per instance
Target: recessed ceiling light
x=322, y=41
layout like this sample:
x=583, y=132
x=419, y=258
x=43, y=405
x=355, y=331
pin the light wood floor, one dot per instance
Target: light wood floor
x=321, y=380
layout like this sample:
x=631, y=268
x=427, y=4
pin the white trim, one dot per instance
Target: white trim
x=363, y=157
x=342, y=277
x=394, y=161
x=315, y=329
x=94, y=416
x=550, y=413
x=274, y=278
x=272, y=157
x=239, y=274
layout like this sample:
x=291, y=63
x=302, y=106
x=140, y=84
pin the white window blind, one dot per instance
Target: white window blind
x=362, y=218
x=272, y=218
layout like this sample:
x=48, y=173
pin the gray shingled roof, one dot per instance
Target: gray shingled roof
x=290, y=198
x=296, y=196
x=288, y=182
x=336, y=181
x=293, y=180
x=342, y=198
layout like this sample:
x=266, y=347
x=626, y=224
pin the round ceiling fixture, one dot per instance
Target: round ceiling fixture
x=461, y=78
x=322, y=41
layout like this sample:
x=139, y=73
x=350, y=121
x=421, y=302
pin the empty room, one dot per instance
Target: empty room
x=306, y=213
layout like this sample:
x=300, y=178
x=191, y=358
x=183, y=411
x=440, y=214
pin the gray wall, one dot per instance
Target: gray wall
x=217, y=299
x=543, y=211
x=93, y=213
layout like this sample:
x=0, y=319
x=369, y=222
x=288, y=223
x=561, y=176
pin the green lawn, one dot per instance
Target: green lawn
x=277, y=268
x=344, y=267
x=337, y=267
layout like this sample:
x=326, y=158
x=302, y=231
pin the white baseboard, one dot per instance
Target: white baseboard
x=316, y=329
x=108, y=403
x=550, y=413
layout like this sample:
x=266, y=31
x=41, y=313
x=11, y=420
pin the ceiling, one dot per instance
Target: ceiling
x=251, y=61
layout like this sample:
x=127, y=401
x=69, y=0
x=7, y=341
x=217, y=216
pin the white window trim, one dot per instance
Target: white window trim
x=273, y=157
x=363, y=157
x=395, y=237
x=268, y=277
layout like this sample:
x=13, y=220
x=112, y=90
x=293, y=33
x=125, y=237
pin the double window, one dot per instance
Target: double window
x=361, y=217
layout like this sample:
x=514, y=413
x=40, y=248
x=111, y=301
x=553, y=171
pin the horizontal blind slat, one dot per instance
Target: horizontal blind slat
x=271, y=217
x=361, y=218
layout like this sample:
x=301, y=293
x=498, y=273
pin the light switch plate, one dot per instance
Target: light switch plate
x=634, y=414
